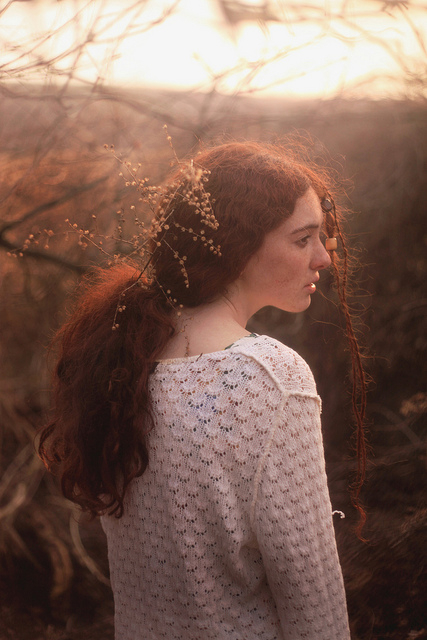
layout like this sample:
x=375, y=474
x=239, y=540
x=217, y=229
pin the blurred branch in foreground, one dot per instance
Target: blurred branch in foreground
x=76, y=45
x=392, y=32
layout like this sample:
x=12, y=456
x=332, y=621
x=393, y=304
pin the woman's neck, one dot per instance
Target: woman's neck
x=206, y=329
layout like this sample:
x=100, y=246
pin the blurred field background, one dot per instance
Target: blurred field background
x=53, y=127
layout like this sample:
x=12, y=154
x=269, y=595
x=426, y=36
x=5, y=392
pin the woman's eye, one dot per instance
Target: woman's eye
x=303, y=241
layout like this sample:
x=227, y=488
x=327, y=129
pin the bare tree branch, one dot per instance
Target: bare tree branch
x=45, y=257
x=46, y=206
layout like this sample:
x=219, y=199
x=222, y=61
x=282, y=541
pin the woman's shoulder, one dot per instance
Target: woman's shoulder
x=281, y=363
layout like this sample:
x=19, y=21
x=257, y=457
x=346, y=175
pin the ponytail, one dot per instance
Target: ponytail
x=95, y=440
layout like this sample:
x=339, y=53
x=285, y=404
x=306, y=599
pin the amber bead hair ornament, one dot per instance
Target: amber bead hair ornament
x=331, y=244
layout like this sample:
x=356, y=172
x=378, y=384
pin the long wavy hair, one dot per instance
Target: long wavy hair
x=101, y=414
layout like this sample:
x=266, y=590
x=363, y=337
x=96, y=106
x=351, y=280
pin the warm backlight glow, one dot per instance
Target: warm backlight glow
x=191, y=45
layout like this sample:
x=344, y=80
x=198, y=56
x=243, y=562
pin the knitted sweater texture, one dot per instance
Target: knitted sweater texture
x=228, y=534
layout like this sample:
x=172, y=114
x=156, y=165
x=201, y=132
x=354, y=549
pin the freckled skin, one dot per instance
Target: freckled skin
x=283, y=270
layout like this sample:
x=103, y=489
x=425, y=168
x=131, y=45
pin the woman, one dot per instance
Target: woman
x=197, y=442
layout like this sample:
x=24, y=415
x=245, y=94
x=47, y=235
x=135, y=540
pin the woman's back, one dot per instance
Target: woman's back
x=214, y=537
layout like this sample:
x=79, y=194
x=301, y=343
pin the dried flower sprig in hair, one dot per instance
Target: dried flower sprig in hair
x=188, y=187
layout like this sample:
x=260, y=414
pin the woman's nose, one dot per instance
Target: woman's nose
x=322, y=259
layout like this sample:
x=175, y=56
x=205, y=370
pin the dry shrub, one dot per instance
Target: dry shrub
x=386, y=579
x=45, y=569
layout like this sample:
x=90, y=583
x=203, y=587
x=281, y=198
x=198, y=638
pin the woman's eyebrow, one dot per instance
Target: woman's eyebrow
x=306, y=227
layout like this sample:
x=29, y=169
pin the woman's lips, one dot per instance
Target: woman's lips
x=311, y=286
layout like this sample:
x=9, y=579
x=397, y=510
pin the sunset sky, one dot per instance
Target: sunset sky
x=316, y=49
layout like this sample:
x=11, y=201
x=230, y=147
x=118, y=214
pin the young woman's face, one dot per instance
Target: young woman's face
x=283, y=272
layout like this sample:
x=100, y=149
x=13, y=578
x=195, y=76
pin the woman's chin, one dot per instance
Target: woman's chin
x=295, y=308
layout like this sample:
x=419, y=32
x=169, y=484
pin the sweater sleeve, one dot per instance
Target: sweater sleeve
x=292, y=521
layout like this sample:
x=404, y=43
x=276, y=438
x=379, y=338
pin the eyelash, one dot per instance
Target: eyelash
x=303, y=241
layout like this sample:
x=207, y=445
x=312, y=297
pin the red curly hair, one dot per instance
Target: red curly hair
x=101, y=405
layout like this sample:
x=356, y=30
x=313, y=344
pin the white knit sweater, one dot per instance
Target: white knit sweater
x=228, y=534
